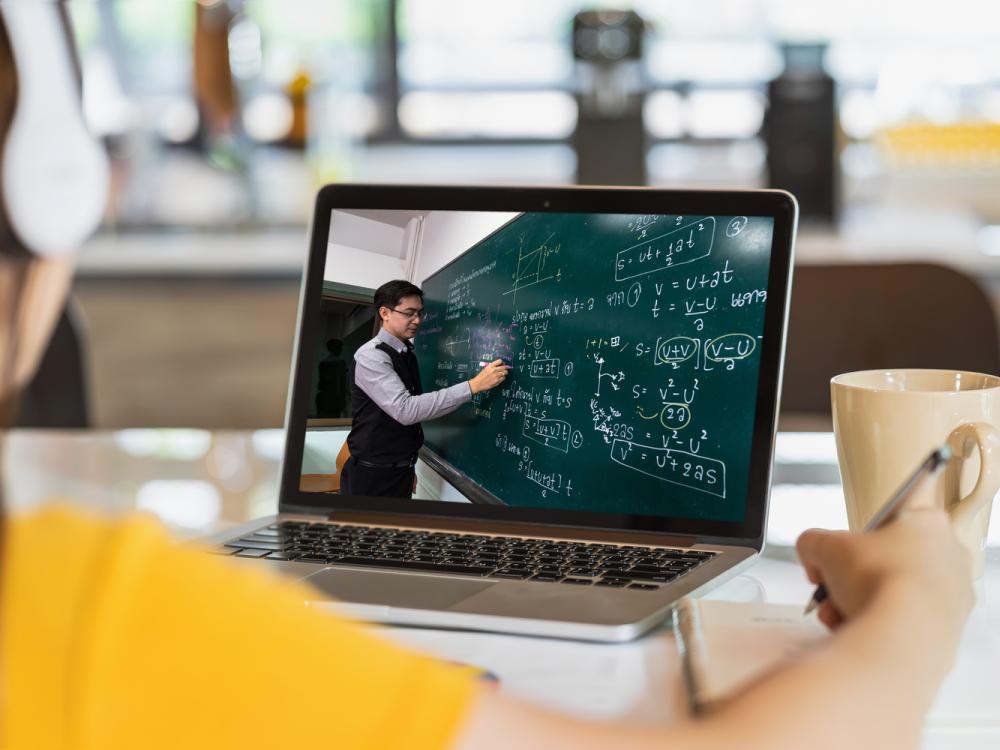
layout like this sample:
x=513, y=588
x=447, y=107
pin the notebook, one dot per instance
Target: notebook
x=727, y=645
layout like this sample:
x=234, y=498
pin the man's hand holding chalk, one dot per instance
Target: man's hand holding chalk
x=492, y=375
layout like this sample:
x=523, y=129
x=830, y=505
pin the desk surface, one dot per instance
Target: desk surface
x=200, y=482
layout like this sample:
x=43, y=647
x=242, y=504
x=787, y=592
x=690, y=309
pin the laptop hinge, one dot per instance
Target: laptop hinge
x=469, y=525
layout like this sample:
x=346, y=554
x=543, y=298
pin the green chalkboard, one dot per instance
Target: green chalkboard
x=635, y=347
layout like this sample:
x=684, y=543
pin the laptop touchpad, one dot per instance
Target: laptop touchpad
x=394, y=589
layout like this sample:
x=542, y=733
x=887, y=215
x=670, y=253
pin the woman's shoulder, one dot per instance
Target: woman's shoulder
x=60, y=531
x=69, y=522
x=70, y=539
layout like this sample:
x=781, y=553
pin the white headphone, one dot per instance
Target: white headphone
x=53, y=173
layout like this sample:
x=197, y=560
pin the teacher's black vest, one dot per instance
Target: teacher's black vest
x=375, y=436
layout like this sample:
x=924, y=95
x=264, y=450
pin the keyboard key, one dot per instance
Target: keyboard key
x=545, y=577
x=267, y=531
x=661, y=576
x=646, y=569
x=253, y=553
x=313, y=559
x=578, y=581
x=258, y=544
x=643, y=586
x=471, y=570
x=611, y=582
x=615, y=571
x=549, y=570
x=283, y=556
x=511, y=574
x=671, y=553
x=377, y=561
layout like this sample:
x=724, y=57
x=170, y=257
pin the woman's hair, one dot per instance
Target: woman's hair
x=10, y=291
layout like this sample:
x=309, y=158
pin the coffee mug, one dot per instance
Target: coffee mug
x=887, y=421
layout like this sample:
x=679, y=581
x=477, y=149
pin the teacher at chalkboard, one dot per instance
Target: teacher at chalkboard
x=388, y=402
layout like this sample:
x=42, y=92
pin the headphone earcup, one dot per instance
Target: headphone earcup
x=53, y=173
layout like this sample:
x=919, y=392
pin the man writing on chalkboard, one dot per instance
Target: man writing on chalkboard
x=388, y=402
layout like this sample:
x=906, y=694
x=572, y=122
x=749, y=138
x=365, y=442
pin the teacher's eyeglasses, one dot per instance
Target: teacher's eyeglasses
x=409, y=314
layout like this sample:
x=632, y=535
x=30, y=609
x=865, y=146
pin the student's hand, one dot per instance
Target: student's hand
x=489, y=377
x=916, y=561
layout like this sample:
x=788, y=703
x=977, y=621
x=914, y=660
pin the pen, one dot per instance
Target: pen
x=930, y=466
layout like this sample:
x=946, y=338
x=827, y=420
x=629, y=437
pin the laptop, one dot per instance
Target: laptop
x=623, y=464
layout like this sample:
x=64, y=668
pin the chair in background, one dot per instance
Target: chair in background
x=865, y=316
x=326, y=482
x=57, y=395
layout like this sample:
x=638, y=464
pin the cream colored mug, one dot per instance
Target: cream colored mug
x=887, y=421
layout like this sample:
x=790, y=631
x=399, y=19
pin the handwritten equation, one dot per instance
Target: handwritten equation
x=625, y=381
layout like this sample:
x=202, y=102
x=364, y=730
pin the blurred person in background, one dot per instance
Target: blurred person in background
x=331, y=388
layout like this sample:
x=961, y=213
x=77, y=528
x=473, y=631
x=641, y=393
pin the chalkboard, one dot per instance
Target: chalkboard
x=635, y=348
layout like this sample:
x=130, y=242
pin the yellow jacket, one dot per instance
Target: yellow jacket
x=113, y=637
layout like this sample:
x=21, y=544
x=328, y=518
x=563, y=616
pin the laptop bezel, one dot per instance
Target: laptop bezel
x=779, y=205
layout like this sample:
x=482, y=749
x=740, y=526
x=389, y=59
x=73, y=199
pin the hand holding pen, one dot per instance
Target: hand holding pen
x=928, y=468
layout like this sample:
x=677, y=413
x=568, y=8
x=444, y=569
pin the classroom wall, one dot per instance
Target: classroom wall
x=365, y=252
x=445, y=235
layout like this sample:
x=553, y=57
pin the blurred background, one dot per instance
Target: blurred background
x=223, y=118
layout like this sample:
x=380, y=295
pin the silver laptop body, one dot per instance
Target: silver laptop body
x=568, y=605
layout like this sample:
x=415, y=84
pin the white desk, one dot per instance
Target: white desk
x=199, y=482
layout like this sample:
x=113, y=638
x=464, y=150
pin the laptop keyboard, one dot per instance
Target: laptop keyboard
x=514, y=558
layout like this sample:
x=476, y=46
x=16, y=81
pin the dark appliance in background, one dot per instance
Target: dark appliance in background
x=610, y=138
x=800, y=133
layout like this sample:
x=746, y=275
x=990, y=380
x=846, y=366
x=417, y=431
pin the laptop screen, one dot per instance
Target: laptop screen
x=634, y=345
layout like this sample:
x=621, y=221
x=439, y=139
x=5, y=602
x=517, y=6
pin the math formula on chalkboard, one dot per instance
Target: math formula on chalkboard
x=634, y=343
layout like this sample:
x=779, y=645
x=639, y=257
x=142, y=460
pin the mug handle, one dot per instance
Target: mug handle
x=961, y=441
